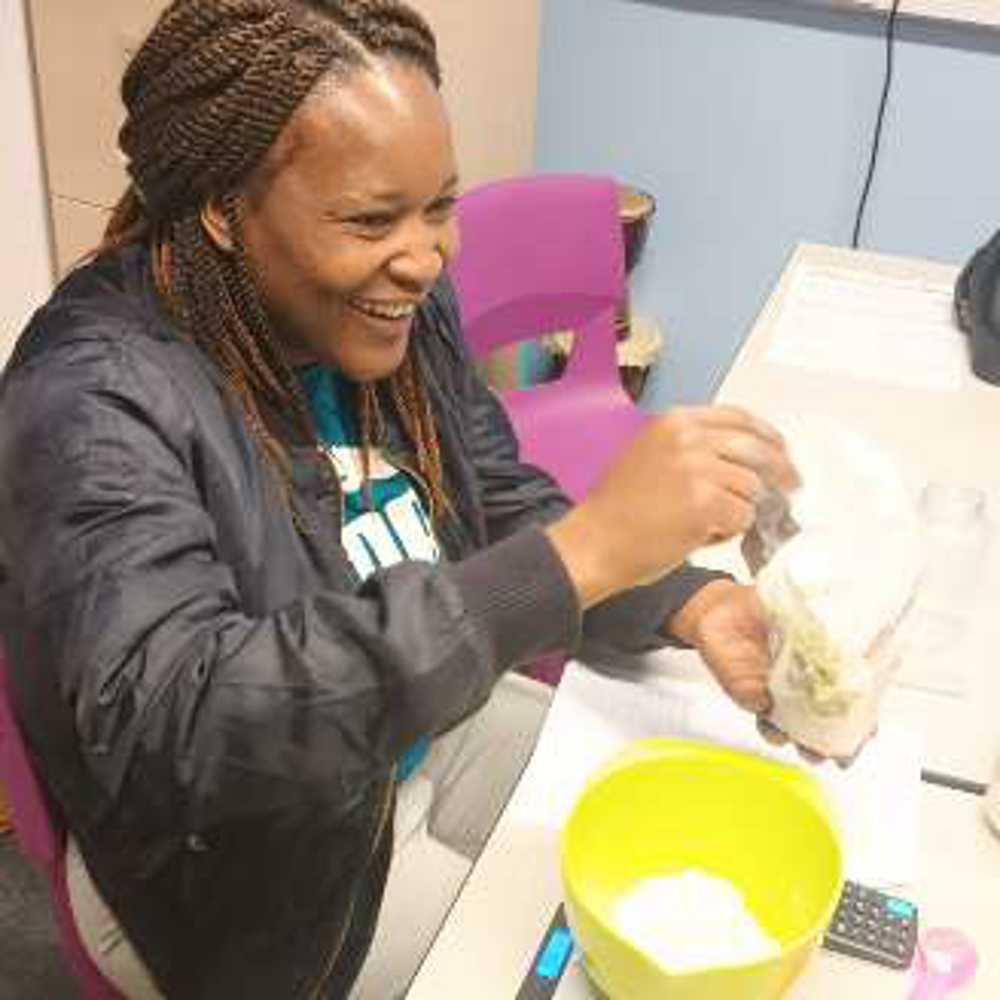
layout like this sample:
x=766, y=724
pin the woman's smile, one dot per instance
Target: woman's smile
x=383, y=309
x=388, y=321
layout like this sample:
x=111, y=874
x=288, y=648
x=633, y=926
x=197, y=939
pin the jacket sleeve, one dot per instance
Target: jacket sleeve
x=515, y=493
x=189, y=711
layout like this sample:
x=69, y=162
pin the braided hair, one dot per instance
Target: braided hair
x=207, y=96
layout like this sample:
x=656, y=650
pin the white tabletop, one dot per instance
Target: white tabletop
x=493, y=932
x=947, y=436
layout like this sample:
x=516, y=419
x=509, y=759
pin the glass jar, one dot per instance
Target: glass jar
x=955, y=535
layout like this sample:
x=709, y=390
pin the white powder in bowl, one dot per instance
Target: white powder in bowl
x=692, y=921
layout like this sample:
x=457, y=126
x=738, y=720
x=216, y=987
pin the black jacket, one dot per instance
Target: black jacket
x=213, y=699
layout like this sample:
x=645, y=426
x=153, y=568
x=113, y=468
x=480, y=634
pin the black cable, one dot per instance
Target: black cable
x=890, y=38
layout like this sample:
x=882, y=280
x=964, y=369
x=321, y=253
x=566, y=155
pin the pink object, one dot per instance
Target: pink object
x=945, y=961
x=43, y=842
x=540, y=254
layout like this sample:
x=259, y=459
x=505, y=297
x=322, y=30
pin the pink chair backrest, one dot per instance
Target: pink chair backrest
x=539, y=254
x=33, y=826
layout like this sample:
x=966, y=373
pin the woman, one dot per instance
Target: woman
x=267, y=546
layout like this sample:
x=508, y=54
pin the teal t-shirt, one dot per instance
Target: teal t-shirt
x=382, y=525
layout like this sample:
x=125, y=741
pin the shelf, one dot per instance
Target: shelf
x=985, y=13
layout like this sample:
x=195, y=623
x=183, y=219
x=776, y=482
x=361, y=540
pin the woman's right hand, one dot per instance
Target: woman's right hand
x=690, y=478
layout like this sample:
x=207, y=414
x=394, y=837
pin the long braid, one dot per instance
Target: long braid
x=413, y=405
x=207, y=96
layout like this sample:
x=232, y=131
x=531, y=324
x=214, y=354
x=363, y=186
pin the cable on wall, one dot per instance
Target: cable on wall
x=890, y=45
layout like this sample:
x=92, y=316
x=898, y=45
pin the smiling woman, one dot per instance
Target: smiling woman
x=267, y=550
x=354, y=228
x=272, y=207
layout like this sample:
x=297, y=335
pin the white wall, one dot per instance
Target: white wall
x=25, y=256
x=489, y=57
x=751, y=122
x=488, y=50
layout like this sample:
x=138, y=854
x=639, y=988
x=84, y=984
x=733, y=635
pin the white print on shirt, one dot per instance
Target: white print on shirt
x=400, y=531
x=350, y=471
x=376, y=539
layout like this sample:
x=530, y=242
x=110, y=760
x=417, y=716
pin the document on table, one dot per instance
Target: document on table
x=593, y=717
x=865, y=326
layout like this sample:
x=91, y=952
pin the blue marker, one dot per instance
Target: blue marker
x=555, y=954
x=550, y=961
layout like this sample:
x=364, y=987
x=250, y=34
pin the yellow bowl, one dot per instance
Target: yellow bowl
x=667, y=805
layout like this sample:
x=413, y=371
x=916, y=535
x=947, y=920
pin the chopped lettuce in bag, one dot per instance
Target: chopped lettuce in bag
x=837, y=564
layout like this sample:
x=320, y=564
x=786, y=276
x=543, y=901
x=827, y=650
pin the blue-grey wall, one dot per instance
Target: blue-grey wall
x=751, y=123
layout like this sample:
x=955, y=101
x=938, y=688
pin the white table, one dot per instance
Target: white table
x=492, y=934
x=948, y=436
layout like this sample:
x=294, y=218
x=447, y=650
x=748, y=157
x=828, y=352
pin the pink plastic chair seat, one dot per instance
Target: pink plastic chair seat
x=43, y=842
x=555, y=443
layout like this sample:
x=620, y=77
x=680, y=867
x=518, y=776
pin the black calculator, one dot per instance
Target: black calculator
x=873, y=925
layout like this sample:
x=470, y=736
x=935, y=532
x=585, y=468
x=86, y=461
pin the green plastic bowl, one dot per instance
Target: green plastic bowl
x=667, y=805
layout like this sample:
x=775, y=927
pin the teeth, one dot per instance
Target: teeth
x=384, y=310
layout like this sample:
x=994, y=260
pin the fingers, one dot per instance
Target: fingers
x=730, y=516
x=740, y=486
x=770, y=732
x=750, y=694
x=810, y=756
x=740, y=481
x=743, y=439
x=768, y=460
x=765, y=444
x=730, y=507
x=736, y=418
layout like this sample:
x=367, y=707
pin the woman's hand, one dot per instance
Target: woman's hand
x=727, y=624
x=691, y=477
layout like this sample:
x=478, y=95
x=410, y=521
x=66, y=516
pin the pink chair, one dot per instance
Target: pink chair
x=539, y=254
x=43, y=842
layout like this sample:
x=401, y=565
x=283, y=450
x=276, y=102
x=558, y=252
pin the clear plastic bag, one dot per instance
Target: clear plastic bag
x=836, y=566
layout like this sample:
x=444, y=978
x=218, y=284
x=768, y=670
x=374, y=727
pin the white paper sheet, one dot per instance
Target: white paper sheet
x=593, y=717
x=864, y=326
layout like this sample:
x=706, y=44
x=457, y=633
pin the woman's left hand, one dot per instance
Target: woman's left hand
x=726, y=623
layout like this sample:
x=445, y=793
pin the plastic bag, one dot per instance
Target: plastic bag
x=838, y=562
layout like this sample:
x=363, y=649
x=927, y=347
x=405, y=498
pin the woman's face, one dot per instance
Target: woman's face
x=350, y=221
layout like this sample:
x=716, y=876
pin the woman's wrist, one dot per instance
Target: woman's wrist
x=685, y=622
x=582, y=554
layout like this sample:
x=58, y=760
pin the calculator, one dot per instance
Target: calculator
x=873, y=925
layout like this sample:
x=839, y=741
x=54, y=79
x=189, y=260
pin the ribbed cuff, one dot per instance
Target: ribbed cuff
x=635, y=621
x=519, y=598
x=682, y=585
